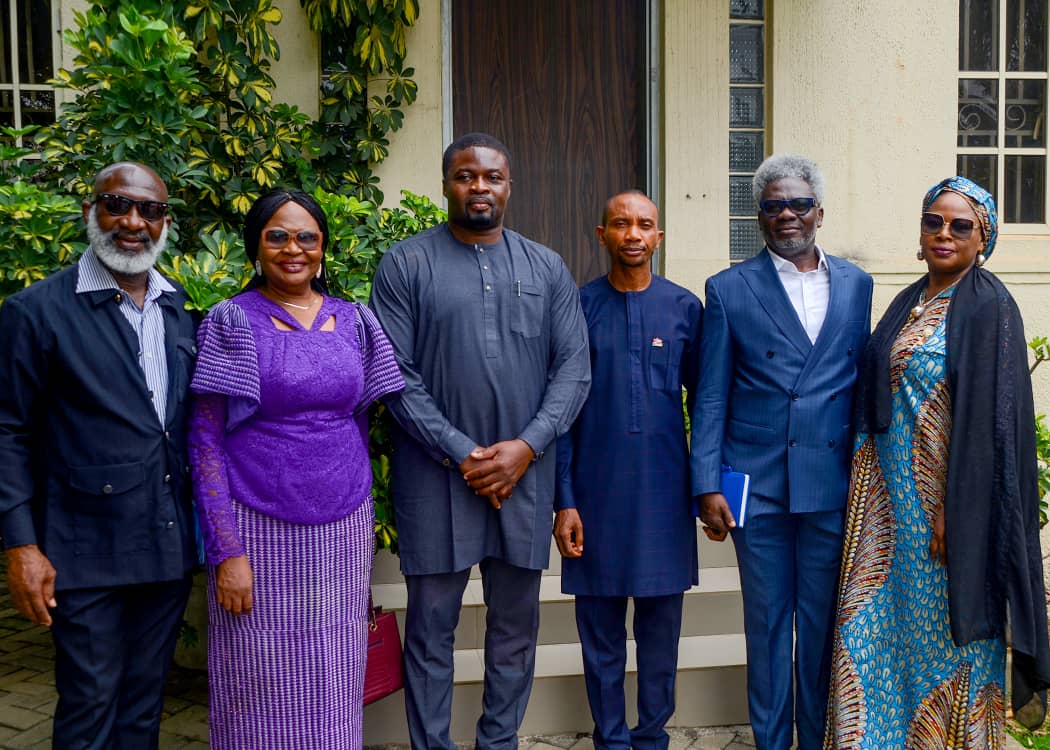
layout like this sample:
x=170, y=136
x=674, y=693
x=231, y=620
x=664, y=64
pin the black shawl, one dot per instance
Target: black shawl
x=992, y=496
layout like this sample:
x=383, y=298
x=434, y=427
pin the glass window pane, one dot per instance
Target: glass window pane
x=7, y=109
x=336, y=46
x=746, y=107
x=741, y=202
x=746, y=9
x=745, y=239
x=1025, y=189
x=5, y=59
x=746, y=151
x=34, y=42
x=38, y=107
x=1026, y=35
x=978, y=34
x=978, y=112
x=982, y=169
x=746, y=54
x=1025, y=114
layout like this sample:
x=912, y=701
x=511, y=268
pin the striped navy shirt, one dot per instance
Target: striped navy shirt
x=147, y=323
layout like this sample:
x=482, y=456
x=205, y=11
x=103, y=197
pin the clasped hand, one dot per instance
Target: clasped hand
x=493, y=471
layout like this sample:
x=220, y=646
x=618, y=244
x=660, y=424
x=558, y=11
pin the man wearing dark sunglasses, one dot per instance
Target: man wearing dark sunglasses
x=788, y=325
x=95, y=363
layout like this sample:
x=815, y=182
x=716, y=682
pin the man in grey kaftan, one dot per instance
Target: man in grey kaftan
x=488, y=330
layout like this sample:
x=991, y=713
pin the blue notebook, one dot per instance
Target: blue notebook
x=735, y=487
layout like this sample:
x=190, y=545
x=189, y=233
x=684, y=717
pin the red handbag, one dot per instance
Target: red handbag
x=383, y=668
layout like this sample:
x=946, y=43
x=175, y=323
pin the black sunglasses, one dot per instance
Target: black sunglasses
x=277, y=238
x=798, y=206
x=960, y=228
x=118, y=205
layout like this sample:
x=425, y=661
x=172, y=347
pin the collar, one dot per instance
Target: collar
x=783, y=265
x=92, y=276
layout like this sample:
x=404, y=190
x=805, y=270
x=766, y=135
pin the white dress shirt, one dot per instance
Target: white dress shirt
x=807, y=290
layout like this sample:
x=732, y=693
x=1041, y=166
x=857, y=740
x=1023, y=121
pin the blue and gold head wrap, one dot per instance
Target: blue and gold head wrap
x=983, y=205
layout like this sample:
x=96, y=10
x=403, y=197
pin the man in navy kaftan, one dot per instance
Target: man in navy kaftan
x=623, y=478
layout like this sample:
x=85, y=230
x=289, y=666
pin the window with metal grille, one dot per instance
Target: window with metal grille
x=1001, y=141
x=28, y=63
x=747, y=121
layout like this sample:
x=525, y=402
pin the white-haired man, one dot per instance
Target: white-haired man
x=782, y=335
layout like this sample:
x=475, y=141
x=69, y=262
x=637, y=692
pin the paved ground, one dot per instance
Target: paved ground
x=27, y=700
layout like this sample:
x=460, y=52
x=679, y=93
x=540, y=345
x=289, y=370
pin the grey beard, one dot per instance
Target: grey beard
x=120, y=261
x=791, y=245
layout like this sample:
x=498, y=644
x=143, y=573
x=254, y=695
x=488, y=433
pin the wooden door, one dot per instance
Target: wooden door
x=563, y=83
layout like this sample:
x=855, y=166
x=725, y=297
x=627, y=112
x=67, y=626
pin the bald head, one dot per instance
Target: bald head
x=133, y=175
x=618, y=197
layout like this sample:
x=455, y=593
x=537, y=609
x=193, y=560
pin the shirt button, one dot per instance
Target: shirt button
x=769, y=354
x=107, y=489
x=167, y=478
x=792, y=444
x=794, y=397
x=167, y=435
x=484, y=268
x=117, y=297
x=849, y=352
x=170, y=524
x=446, y=462
x=488, y=287
x=834, y=396
x=831, y=443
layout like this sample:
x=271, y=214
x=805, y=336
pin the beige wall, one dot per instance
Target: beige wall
x=298, y=73
x=415, y=150
x=866, y=89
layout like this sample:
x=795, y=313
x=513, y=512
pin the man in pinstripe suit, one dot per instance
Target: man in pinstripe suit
x=782, y=335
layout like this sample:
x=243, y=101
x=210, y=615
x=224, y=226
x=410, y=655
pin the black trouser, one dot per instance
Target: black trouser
x=113, y=648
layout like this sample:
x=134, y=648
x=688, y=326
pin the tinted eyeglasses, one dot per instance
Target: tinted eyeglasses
x=279, y=238
x=798, y=206
x=960, y=228
x=118, y=205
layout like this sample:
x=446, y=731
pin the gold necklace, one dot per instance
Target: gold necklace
x=304, y=308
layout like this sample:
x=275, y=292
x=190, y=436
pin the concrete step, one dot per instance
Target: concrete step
x=711, y=675
x=394, y=596
x=566, y=659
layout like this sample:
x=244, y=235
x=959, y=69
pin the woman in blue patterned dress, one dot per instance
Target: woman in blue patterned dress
x=942, y=525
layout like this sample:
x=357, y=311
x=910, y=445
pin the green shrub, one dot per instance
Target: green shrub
x=185, y=87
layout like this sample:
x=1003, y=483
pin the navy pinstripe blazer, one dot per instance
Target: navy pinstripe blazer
x=772, y=403
x=89, y=473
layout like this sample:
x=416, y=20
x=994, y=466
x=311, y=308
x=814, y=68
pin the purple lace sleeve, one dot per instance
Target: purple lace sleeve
x=382, y=375
x=210, y=484
x=227, y=363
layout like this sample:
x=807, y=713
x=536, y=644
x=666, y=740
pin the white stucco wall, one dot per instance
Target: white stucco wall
x=869, y=90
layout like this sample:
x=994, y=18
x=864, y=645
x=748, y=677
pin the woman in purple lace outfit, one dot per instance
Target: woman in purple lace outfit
x=279, y=449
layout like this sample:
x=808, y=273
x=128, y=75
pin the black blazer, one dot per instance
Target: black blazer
x=87, y=472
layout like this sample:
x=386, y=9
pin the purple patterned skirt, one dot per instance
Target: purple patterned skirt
x=290, y=674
